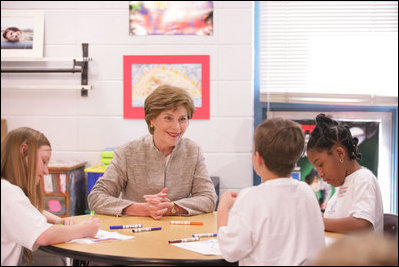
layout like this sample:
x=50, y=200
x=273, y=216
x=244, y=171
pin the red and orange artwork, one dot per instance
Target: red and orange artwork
x=170, y=17
x=143, y=74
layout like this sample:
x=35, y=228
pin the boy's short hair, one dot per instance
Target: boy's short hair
x=280, y=142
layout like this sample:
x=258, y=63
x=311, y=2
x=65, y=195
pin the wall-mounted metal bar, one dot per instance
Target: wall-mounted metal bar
x=82, y=64
x=46, y=87
x=85, y=68
x=43, y=59
x=73, y=70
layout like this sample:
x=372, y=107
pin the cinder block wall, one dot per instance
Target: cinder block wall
x=80, y=127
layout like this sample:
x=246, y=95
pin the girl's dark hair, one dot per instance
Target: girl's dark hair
x=312, y=176
x=329, y=132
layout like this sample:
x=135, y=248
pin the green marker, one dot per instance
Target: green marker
x=91, y=214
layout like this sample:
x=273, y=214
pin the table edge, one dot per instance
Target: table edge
x=111, y=259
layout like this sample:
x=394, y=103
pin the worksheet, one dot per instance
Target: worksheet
x=205, y=247
x=101, y=236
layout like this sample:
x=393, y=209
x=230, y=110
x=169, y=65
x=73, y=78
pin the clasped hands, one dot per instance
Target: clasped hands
x=158, y=205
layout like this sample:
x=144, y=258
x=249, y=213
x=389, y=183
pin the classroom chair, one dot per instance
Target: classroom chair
x=216, y=183
x=391, y=225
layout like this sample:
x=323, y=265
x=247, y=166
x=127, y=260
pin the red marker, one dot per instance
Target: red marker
x=191, y=239
x=186, y=223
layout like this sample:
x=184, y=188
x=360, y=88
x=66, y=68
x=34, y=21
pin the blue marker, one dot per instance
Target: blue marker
x=146, y=229
x=205, y=235
x=126, y=226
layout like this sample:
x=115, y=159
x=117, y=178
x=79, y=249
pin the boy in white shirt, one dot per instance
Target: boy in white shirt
x=278, y=222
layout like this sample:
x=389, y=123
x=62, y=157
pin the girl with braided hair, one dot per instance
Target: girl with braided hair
x=357, y=202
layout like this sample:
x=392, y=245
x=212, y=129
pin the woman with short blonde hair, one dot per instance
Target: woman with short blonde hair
x=161, y=173
x=164, y=98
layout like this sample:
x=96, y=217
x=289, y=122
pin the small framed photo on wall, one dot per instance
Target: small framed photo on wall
x=143, y=74
x=22, y=33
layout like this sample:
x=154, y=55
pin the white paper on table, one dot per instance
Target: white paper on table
x=100, y=237
x=329, y=240
x=206, y=247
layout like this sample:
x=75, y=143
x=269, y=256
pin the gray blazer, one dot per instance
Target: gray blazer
x=138, y=168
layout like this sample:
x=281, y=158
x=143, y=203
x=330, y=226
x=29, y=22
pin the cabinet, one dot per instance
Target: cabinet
x=64, y=188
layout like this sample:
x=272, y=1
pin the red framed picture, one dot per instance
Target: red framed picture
x=142, y=74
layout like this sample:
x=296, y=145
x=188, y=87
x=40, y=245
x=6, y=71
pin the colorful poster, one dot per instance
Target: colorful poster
x=147, y=77
x=170, y=18
x=143, y=74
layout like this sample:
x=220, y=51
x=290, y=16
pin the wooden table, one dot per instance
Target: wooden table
x=147, y=247
x=334, y=235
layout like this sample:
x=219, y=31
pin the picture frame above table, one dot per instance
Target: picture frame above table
x=22, y=33
x=143, y=74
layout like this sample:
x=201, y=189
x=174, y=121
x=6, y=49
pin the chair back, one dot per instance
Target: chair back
x=391, y=225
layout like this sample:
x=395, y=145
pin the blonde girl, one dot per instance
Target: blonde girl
x=25, y=154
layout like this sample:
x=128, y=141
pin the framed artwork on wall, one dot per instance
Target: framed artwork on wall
x=142, y=74
x=22, y=33
x=170, y=18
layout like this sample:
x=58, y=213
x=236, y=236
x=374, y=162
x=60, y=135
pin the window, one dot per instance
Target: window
x=338, y=57
x=318, y=51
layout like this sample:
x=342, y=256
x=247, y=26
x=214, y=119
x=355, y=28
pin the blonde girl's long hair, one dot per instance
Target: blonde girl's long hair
x=18, y=171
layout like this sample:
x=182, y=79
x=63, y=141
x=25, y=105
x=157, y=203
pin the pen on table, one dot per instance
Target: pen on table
x=191, y=239
x=104, y=239
x=186, y=223
x=126, y=226
x=205, y=235
x=91, y=214
x=146, y=229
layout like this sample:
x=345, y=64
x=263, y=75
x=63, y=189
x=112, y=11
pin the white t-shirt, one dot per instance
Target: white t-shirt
x=276, y=223
x=359, y=197
x=21, y=223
